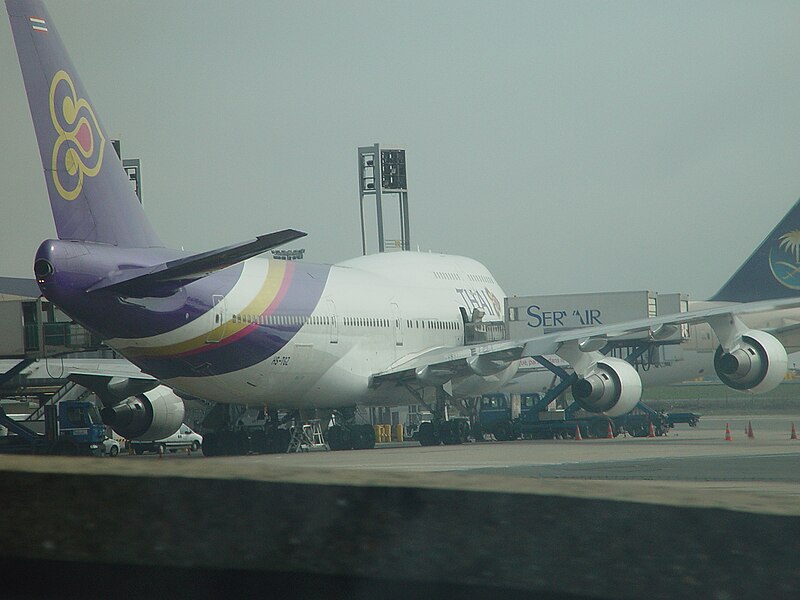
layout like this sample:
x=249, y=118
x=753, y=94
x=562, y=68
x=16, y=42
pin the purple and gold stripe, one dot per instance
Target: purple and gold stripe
x=289, y=289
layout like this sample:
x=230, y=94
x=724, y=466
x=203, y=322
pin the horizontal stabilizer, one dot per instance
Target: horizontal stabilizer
x=163, y=279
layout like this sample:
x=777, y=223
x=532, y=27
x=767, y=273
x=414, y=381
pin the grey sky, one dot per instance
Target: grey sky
x=570, y=146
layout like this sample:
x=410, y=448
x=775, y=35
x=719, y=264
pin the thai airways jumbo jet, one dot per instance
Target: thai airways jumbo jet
x=233, y=327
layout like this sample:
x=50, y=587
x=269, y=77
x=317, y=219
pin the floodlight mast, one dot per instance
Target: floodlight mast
x=383, y=171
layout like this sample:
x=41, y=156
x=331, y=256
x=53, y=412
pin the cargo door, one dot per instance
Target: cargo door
x=397, y=324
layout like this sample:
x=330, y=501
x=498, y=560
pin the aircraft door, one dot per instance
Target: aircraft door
x=333, y=325
x=397, y=324
x=220, y=322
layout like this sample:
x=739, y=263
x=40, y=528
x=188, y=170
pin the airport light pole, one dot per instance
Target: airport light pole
x=383, y=171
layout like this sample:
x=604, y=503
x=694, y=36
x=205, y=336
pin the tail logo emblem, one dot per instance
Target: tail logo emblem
x=78, y=150
x=784, y=260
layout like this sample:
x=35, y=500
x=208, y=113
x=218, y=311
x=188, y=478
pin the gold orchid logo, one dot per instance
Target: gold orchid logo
x=498, y=308
x=784, y=260
x=78, y=149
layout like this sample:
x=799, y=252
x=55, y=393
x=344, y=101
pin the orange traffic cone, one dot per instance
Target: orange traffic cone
x=794, y=433
x=610, y=432
x=578, y=436
x=750, y=435
x=728, y=437
x=652, y=432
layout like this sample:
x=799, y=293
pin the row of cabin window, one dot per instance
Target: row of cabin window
x=457, y=277
x=442, y=325
x=281, y=319
x=366, y=322
x=349, y=321
x=483, y=278
x=445, y=275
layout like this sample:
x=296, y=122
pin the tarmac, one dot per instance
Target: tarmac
x=688, y=514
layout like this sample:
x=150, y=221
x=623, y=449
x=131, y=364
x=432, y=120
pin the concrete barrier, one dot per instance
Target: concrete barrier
x=412, y=529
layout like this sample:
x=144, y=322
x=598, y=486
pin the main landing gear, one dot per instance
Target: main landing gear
x=441, y=430
x=231, y=437
x=346, y=434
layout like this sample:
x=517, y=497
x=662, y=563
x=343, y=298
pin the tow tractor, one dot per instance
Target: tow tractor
x=71, y=427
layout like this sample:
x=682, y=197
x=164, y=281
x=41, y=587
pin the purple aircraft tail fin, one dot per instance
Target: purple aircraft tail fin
x=90, y=195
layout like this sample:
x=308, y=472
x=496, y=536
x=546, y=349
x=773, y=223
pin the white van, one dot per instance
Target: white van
x=183, y=438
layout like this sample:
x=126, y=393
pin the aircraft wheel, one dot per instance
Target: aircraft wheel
x=427, y=434
x=463, y=431
x=280, y=441
x=195, y=446
x=502, y=431
x=67, y=448
x=259, y=442
x=369, y=436
x=448, y=432
x=114, y=451
x=339, y=438
x=241, y=443
x=210, y=447
x=363, y=437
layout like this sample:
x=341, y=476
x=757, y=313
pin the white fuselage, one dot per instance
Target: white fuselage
x=374, y=311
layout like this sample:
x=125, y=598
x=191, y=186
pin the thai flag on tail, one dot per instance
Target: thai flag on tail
x=38, y=24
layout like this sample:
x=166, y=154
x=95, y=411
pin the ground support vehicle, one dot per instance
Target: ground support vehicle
x=535, y=419
x=495, y=417
x=413, y=422
x=111, y=447
x=71, y=427
x=689, y=418
x=183, y=439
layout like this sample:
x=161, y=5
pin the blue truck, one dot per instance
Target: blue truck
x=71, y=428
x=496, y=417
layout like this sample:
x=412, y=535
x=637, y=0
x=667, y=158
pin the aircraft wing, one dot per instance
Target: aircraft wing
x=446, y=363
x=111, y=379
x=788, y=334
x=437, y=363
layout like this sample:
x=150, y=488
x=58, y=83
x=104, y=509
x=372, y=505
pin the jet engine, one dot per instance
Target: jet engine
x=611, y=386
x=756, y=364
x=151, y=415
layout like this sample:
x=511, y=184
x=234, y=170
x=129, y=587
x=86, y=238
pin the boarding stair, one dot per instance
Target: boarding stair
x=70, y=391
x=306, y=437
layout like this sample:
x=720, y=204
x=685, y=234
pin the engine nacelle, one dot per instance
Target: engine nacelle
x=757, y=364
x=483, y=366
x=611, y=386
x=152, y=415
